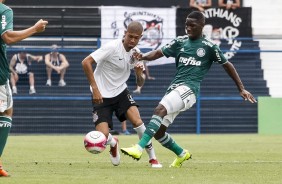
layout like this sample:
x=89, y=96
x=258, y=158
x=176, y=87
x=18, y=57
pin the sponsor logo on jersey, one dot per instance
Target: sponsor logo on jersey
x=201, y=52
x=3, y=22
x=5, y=124
x=189, y=61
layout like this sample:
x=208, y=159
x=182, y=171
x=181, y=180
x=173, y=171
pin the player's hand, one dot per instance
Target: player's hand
x=40, y=25
x=137, y=56
x=139, y=68
x=246, y=95
x=96, y=96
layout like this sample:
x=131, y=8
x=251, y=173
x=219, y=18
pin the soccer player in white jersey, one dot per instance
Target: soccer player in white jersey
x=114, y=62
x=194, y=55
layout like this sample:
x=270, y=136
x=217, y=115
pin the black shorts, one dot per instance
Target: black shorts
x=119, y=104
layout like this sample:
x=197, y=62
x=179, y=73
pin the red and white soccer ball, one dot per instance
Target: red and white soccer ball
x=95, y=142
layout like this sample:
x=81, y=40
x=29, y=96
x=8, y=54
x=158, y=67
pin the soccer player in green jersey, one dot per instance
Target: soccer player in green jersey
x=194, y=55
x=8, y=36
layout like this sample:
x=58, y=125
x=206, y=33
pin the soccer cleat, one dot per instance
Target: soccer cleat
x=62, y=83
x=155, y=163
x=3, y=173
x=32, y=91
x=49, y=82
x=177, y=163
x=114, y=154
x=133, y=152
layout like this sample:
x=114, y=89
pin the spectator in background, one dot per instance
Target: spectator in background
x=20, y=67
x=201, y=5
x=229, y=4
x=58, y=62
x=124, y=128
x=147, y=76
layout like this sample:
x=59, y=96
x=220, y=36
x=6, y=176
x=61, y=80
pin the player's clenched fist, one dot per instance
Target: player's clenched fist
x=40, y=25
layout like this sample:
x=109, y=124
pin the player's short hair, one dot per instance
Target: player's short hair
x=135, y=26
x=197, y=15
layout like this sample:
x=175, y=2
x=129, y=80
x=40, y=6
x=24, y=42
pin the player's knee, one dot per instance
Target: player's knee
x=160, y=110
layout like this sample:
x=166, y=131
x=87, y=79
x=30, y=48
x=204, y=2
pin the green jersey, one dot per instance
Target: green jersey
x=193, y=59
x=6, y=24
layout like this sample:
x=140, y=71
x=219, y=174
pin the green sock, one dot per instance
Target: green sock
x=170, y=144
x=5, y=126
x=151, y=130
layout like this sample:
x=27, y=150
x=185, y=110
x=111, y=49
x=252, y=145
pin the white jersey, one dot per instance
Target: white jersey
x=113, y=67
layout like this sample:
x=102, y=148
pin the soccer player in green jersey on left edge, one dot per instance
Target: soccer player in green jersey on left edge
x=8, y=36
x=194, y=55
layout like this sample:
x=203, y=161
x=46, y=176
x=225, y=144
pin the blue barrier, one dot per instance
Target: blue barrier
x=84, y=98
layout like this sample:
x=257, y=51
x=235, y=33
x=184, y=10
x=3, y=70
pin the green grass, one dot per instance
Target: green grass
x=216, y=159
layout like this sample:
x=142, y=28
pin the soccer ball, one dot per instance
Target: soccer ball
x=95, y=142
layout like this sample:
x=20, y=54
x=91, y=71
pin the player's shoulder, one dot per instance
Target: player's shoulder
x=208, y=42
x=182, y=38
x=4, y=8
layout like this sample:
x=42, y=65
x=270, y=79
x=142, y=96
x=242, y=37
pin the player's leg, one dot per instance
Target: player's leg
x=102, y=117
x=134, y=116
x=6, y=112
x=187, y=96
x=31, y=83
x=49, y=72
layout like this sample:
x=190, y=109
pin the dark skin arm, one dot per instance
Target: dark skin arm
x=230, y=69
x=149, y=56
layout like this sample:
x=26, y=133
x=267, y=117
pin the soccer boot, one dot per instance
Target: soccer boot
x=3, y=173
x=177, y=163
x=155, y=163
x=114, y=153
x=133, y=152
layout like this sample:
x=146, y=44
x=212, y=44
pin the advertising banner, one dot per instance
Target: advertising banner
x=158, y=23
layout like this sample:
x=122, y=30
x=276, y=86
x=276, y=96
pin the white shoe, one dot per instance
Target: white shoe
x=32, y=91
x=62, y=83
x=14, y=90
x=49, y=82
x=114, y=153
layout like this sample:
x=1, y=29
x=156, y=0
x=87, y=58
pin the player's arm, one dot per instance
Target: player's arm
x=149, y=56
x=230, y=69
x=140, y=76
x=88, y=70
x=11, y=37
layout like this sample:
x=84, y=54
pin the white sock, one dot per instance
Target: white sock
x=14, y=87
x=150, y=150
x=31, y=87
x=111, y=141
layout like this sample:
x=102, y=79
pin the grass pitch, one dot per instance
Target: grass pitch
x=34, y=159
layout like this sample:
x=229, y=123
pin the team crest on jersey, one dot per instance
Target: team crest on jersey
x=201, y=52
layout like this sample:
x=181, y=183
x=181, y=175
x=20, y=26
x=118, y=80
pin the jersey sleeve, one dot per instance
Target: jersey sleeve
x=7, y=21
x=217, y=55
x=102, y=53
x=170, y=48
